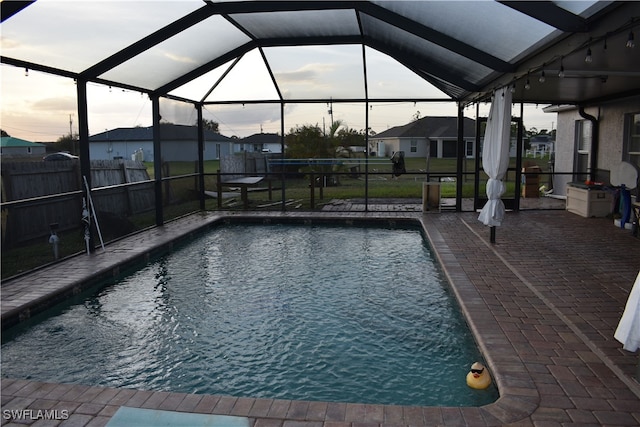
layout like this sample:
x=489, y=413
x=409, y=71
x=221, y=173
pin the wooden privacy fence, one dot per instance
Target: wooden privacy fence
x=243, y=164
x=31, y=219
x=122, y=200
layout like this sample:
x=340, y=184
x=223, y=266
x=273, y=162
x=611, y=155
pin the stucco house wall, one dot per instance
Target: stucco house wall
x=178, y=151
x=174, y=150
x=612, y=132
x=16, y=147
x=23, y=151
x=441, y=147
x=125, y=142
x=100, y=150
x=259, y=142
x=611, y=138
x=438, y=132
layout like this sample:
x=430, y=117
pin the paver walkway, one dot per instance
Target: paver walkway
x=543, y=302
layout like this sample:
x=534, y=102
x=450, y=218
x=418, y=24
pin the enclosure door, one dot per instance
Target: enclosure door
x=511, y=198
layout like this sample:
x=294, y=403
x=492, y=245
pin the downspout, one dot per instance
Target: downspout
x=595, y=142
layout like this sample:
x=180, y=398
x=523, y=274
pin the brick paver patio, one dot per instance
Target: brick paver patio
x=543, y=302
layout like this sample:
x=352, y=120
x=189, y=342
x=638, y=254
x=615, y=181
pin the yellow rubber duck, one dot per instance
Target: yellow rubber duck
x=478, y=377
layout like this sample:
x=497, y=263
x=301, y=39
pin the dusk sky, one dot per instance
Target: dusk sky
x=40, y=107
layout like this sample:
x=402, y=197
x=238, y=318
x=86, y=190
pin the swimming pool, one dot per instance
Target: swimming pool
x=297, y=312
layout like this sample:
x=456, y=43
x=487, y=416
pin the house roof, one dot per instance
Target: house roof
x=167, y=131
x=541, y=138
x=262, y=138
x=9, y=141
x=432, y=128
x=466, y=49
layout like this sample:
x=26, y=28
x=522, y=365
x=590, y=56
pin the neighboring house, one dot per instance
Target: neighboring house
x=617, y=140
x=16, y=147
x=541, y=145
x=260, y=142
x=179, y=143
x=439, y=134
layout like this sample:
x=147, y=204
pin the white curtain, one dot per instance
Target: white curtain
x=495, y=155
x=628, y=331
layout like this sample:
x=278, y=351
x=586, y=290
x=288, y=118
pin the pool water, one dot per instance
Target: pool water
x=349, y=314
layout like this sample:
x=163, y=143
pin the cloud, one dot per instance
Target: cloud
x=307, y=74
x=245, y=120
x=300, y=76
x=178, y=58
x=36, y=127
x=64, y=103
x=9, y=43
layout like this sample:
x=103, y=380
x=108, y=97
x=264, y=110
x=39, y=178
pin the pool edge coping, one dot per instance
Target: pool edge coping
x=519, y=397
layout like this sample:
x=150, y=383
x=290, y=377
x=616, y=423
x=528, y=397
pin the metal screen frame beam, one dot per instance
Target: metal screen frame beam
x=148, y=42
x=550, y=14
x=436, y=37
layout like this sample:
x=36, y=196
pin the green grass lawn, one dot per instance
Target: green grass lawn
x=181, y=198
x=381, y=183
x=438, y=166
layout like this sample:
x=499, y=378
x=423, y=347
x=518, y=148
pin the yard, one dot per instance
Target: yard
x=344, y=184
x=182, y=198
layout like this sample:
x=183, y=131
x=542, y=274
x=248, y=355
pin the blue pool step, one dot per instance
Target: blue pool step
x=128, y=417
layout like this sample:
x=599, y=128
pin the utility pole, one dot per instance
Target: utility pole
x=331, y=110
x=74, y=148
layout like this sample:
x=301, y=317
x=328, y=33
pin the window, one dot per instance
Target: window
x=631, y=146
x=469, y=148
x=414, y=146
x=583, y=149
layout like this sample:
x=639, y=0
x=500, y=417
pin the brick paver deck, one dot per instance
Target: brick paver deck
x=543, y=303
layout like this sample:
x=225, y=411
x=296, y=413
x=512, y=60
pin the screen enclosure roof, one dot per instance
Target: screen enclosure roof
x=242, y=51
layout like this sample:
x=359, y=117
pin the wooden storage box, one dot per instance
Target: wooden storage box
x=431, y=197
x=531, y=181
x=530, y=191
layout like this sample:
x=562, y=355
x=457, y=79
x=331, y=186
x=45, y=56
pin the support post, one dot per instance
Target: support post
x=312, y=186
x=200, y=157
x=519, y=147
x=493, y=234
x=219, y=188
x=85, y=158
x=460, y=158
x=282, y=153
x=157, y=159
x=366, y=129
